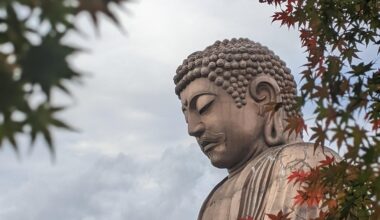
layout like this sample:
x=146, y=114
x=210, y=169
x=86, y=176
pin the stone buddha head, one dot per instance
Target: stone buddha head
x=225, y=91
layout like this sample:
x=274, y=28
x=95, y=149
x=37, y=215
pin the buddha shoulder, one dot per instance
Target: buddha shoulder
x=290, y=158
x=302, y=155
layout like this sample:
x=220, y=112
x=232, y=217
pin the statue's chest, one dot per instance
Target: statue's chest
x=224, y=202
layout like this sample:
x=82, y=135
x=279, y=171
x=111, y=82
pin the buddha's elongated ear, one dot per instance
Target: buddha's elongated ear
x=265, y=91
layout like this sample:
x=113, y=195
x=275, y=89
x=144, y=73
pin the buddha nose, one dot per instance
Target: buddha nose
x=196, y=129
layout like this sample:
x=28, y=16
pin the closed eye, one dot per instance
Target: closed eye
x=206, y=107
x=204, y=102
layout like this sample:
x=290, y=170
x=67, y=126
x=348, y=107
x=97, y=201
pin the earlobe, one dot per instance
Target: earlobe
x=274, y=130
x=264, y=90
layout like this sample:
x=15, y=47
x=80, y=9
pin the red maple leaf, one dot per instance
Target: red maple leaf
x=321, y=70
x=246, y=218
x=298, y=176
x=332, y=203
x=280, y=216
x=311, y=197
x=328, y=161
x=295, y=124
x=314, y=197
x=276, y=2
x=300, y=198
x=375, y=124
x=289, y=7
x=285, y=17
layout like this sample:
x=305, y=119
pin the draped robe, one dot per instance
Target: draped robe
x=261, y=187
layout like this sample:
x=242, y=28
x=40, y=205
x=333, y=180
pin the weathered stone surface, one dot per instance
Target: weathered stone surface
x=225, y=108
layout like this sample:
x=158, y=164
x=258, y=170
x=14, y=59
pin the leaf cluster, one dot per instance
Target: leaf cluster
x=343, y=83
x=279, y=216
x=318, y=189
x=33, y=62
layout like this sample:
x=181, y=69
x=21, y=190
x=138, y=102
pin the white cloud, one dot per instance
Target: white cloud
x=133, y=74
x=125, y=163
x=170, y=187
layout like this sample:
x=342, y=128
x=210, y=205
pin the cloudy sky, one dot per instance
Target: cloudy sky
x=132, y=158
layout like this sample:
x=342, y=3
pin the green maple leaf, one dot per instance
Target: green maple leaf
x=41, y=119
x=46, y=65
x=361, y=68
x=319, y=136
x=56, y=12
x=16, y=30
x=9, y=129
x=11, y=93
x=340, y=136
x=358, y=134
x=94, y=7
x=349, y=54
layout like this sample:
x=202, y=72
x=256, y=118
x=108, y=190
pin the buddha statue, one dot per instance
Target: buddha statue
x=224, y=91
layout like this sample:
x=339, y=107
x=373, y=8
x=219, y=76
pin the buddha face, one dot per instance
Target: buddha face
x=228, y=135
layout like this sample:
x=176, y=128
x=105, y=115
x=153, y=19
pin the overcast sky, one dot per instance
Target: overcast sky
x=132, y=158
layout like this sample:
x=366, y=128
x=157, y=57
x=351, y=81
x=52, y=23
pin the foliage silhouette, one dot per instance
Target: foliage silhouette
x=341, y=79
x=33, y=62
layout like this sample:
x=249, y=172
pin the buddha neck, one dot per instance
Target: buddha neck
x=250, y=156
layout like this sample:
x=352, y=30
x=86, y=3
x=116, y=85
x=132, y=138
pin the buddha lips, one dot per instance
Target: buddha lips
x=210, y=140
